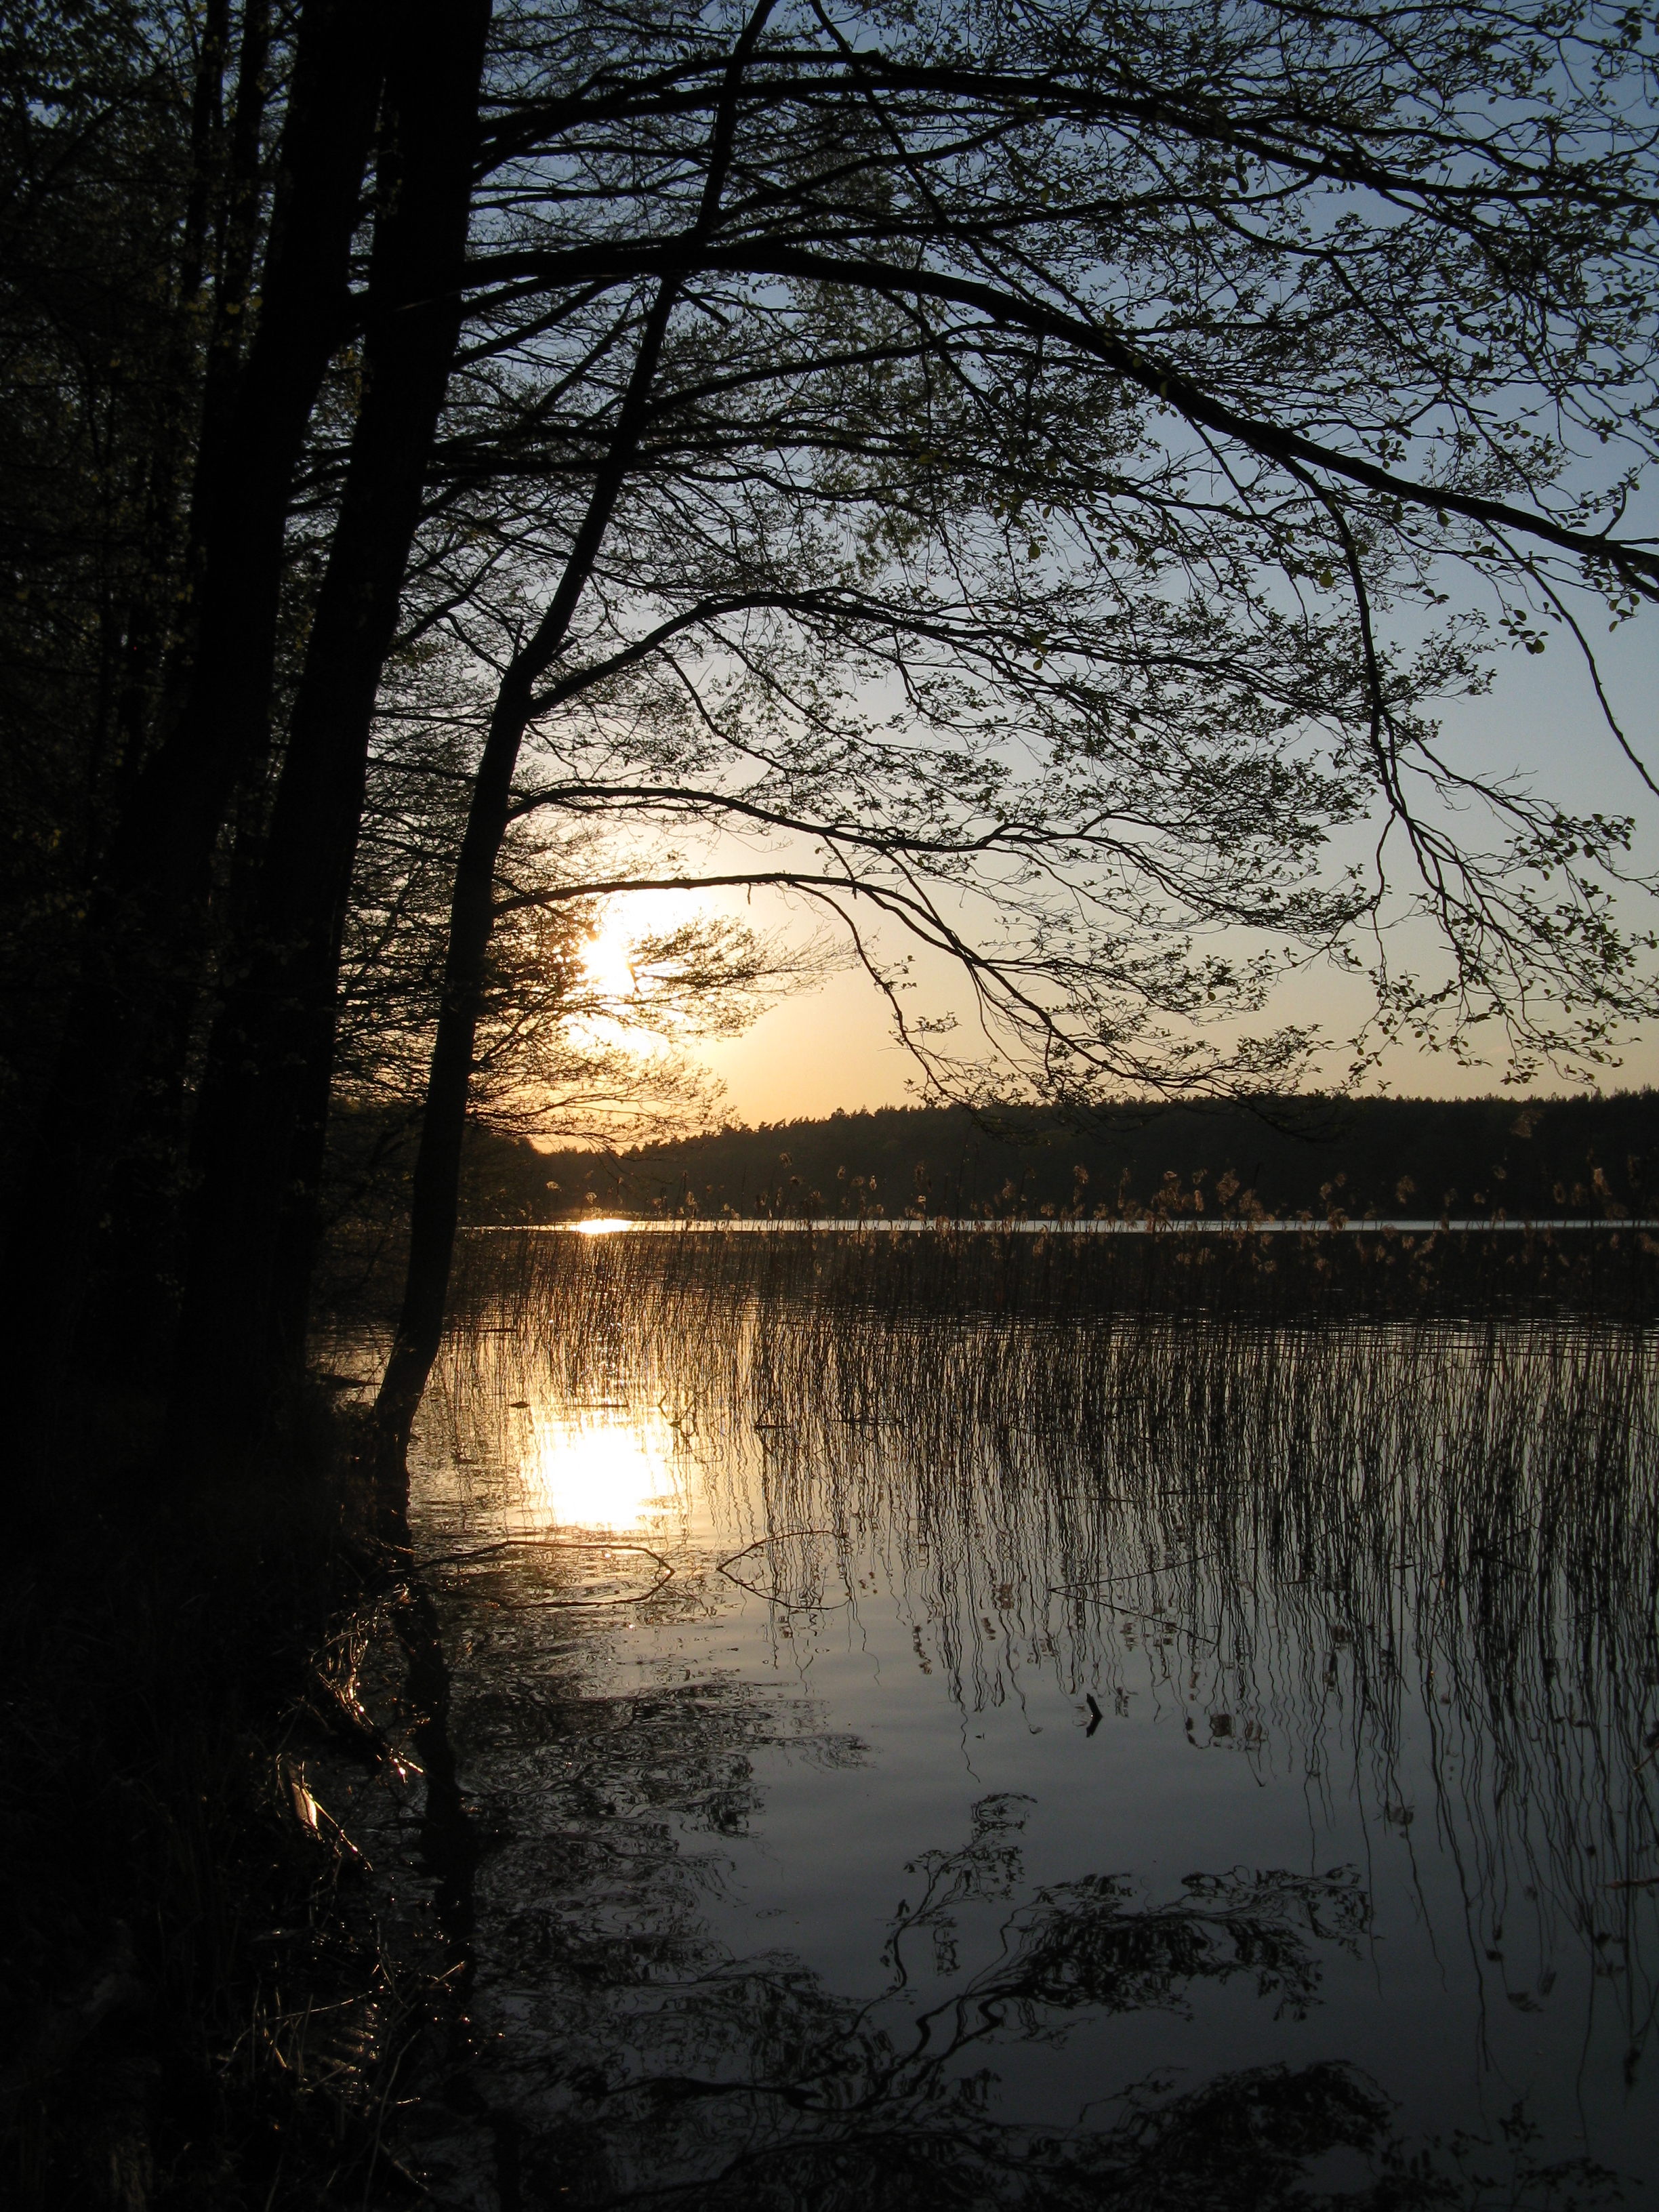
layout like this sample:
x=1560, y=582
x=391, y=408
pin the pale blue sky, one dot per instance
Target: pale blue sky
x=833, y=1045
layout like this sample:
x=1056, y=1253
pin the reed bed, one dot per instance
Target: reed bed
x=1180, y=1263
x=1318, y=1531
x=1409, y=1557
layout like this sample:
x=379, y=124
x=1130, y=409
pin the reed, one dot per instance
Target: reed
x=1330, y=1538
x=1440, y=1508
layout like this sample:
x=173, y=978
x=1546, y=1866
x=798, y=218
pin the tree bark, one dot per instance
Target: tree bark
x=436, y=1194
x=265, y=1100
x=143, y=1202
x=144, y=928
x=433, y=1205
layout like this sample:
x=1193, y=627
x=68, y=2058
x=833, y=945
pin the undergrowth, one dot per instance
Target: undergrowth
x=202, y=2010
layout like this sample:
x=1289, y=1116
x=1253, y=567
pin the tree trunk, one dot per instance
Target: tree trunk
x=139, y=1242
x=435, y=1197
x=227, y=208
x=265, y=1101
x=434, y=1201
x=144, y=930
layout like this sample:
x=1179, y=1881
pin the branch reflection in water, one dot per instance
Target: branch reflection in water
x=1369, y=1606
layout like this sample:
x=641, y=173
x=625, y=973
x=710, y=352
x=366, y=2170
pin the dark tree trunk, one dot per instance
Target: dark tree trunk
x=434, y=1196
x=140, y=1244
x=206, y=122
x=145, y=927
x=265, y=1101
x=434, y=1201
x=236, y=239
x=223, y=207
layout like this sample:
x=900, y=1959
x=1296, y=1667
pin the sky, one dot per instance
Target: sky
x=832, y=1045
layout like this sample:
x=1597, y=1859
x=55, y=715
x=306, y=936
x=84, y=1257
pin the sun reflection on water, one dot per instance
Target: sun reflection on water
x=606, y=1471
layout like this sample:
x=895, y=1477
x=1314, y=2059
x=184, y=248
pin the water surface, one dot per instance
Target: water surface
x=939, y=1755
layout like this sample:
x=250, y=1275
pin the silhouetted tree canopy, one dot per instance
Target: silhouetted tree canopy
x=1024, y=479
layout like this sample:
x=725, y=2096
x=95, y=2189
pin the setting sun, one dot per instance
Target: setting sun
x=607, y=965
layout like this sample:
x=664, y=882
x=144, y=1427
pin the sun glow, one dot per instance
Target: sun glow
x=609, y=1474
x=607, y=964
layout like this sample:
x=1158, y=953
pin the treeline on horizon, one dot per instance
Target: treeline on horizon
x=1580, y=1158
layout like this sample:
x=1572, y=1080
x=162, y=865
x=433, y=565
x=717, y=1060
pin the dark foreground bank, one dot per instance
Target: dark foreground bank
x=217, y=1995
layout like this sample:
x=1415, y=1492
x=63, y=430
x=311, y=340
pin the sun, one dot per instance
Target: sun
x=607, y=967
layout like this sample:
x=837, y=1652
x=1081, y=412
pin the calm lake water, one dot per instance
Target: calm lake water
x=1047, y=1757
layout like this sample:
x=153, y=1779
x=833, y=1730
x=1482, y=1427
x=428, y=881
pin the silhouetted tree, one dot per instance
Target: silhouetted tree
x=1002, y=468
x=249, y=403
x=1031, y=475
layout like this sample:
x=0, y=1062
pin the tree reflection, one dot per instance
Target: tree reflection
x=753, y=2083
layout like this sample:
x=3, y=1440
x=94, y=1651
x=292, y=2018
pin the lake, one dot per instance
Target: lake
x=1003, y=1745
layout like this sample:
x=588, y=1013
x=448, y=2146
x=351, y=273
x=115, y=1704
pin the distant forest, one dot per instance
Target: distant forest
x=1583, y=1157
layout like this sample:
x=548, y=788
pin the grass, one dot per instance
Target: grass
x=1607, y=1270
